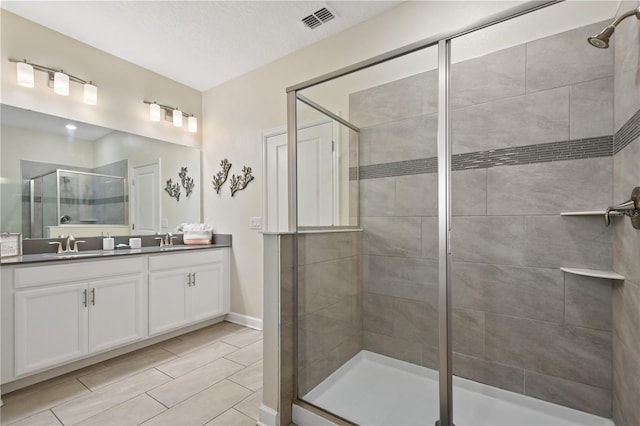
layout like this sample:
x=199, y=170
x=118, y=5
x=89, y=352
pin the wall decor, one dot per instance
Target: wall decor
x=238, y=183
x=221, y=177
x=10, y=244
x=173, y=189
x=187, y=182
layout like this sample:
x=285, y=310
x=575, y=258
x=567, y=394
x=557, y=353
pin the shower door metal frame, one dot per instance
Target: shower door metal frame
x=443, y=41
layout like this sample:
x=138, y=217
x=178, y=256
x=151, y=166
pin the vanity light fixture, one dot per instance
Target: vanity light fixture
x=177, y=118
x=172, y=113
x=57, y=78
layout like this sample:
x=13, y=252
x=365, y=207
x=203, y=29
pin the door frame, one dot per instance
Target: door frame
x=282, y=130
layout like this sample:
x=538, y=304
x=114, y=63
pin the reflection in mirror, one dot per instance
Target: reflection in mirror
x=61, y=177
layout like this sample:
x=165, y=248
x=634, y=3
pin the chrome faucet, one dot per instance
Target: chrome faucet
x=629, y=208
x=166, y=240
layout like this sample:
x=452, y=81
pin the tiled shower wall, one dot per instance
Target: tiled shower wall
x=532, y=137
x=626, y=239
x=329, y=304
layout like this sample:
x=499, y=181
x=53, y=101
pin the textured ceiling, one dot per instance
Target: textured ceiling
x=198, y=43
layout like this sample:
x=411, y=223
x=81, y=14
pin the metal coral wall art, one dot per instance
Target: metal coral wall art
x=221, y=177
x=238, y=183
x=173, y=189
x=187, y=182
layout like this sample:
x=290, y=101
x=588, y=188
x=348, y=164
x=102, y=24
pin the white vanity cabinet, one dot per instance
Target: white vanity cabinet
x=67, y=311
x=185, y=288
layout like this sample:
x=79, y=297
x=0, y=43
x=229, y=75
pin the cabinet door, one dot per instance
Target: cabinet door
x=115, y=312
x=168, y=307
x=51, y=326
x=207, y=291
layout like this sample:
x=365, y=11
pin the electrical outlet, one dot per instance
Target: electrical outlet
x=255, y=223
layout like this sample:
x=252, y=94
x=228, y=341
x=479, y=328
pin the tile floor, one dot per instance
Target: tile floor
x=211, y=376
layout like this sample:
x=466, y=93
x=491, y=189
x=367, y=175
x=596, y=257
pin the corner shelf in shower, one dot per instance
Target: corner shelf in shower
x=593, y=273
x=587, y=213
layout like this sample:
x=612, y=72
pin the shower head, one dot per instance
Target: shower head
x=601, y=40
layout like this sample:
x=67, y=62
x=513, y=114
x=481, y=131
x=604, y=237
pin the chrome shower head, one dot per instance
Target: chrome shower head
x=601, y=40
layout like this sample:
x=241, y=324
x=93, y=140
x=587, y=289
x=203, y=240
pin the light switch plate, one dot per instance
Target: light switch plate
x=164, y=222
x=255, y=223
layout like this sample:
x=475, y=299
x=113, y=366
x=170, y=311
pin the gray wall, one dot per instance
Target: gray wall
x=626, y=240
x=330, y=304
x=532, y=137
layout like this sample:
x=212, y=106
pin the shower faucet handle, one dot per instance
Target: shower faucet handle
x=629, y=208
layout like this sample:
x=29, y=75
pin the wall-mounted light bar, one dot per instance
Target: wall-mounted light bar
x=57, y=78
x=175, y=114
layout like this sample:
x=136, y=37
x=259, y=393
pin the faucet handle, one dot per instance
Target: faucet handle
x=161, y=241
x=59, y=249
x=171, y=238
x=75, y=245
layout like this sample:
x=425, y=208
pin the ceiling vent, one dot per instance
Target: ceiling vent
x=318, y=18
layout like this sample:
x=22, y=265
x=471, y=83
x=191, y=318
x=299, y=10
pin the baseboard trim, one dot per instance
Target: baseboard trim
x=245, y=320
x=267, y=416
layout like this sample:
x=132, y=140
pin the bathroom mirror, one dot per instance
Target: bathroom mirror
x=59, y=176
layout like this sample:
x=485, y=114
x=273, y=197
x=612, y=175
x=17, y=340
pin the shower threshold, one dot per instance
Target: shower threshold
x=372, y=389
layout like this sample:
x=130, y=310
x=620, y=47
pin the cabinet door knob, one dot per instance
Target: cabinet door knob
x=93, y=296
x=84, y=297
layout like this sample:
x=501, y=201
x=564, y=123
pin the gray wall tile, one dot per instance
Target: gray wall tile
x=430, y=91
x=430, y=237
x=378, y=313
x=469, y=192
x=490, y=77
x=491, y=373
x=521, y=120
x=467, y=331
x=587, y=301
x=627, y=86
x=627, y=95
x=415, y=320
x=591, y=106
x=404, y=350
x=574, y=353
x=626, y=321
x=388, y=102
x=524, y=292
x=488, y=239
x=555, y=241
x=417, y=195
x=550, y=188
x=592, y=399
x=378, y=197
x=318, y=247
x=409, y=278
x=400, y=140
x=565, y=58
x=394, y=236
x=626, y=387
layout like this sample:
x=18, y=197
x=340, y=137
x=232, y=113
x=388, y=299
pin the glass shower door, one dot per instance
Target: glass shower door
x=531, y=119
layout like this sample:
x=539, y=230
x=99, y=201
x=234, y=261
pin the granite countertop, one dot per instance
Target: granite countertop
x=99, y=254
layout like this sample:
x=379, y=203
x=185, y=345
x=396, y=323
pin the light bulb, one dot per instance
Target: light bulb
x=90, y=94
x=154, y=112
x=61, y=83
x=192, y=123
x=177, y=117
x=25, y=74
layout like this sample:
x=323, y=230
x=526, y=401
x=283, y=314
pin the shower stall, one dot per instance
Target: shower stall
x=472, y=170
x=67, y=197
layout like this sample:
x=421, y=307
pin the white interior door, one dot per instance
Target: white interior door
x=146, y=199
x=316, y=174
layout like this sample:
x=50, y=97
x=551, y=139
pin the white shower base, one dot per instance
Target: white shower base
x=372, y=389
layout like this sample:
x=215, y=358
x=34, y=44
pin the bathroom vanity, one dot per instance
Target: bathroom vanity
x=64, y=312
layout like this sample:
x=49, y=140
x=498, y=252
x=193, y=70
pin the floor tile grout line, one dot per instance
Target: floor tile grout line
x=157, y=400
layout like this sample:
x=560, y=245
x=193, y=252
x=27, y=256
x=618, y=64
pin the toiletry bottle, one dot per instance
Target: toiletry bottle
x=108, y=243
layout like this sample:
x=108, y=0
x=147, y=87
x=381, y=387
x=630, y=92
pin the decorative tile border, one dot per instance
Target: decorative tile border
x=629, y=132
x=576, y=149
x=78, y=201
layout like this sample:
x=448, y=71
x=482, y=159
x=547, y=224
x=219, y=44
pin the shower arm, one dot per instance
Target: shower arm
x=624, y=16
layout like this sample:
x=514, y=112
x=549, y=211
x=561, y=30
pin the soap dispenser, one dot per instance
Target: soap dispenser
x=108, y=243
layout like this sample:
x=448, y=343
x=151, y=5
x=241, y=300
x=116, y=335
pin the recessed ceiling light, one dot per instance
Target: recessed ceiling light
x=70, y=127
